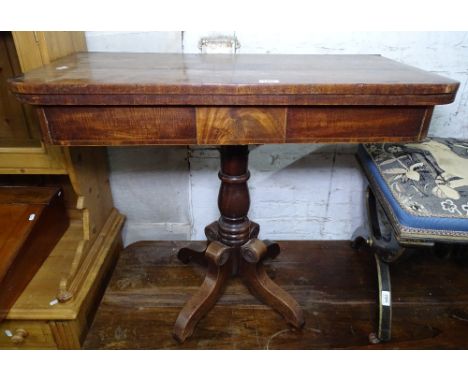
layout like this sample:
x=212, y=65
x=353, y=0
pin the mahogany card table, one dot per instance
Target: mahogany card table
x=109, y=99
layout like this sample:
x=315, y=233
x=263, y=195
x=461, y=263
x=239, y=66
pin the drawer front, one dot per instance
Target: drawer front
x=357, y=124
x=147, y=125
x=119, y=125
x=39, y=335
x=240, y=125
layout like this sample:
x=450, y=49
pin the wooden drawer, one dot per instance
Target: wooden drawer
x=240, y=125
x=357, y=123
x=220, y=125
x=118, y=125
x=39, y=335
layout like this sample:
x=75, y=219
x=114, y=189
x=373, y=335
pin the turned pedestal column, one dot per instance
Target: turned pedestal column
x=233, y=248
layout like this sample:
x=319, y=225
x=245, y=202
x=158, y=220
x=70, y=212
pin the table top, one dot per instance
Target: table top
x=164, y=99
x=213, y=79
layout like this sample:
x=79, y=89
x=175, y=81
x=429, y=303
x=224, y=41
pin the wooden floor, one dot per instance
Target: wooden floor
x=335, y=285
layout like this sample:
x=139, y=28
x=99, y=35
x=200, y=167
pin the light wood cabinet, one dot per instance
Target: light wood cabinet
x=58, y=304
x=21, y=149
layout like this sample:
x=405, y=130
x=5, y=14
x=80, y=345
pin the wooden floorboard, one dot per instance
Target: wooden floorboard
x=335, y=285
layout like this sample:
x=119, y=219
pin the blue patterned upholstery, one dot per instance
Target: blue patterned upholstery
x=423, y=187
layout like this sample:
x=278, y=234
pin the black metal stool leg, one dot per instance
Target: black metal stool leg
x=385, y=248
x=360, y=238
x=385, y=302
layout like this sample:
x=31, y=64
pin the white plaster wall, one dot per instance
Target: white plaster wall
x=297, y=191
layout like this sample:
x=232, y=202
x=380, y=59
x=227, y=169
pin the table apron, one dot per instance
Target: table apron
x=219, y=125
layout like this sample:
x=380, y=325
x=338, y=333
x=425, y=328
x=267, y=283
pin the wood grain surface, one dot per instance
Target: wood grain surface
x=119, y=125
x=335, y=286
x=241, y=125
x=143, y=125
x=29, y=230
x=244, y=74
x=167, y=99
x=362, y=123
x=31, y=195
x=60, y=325
x=15, y=129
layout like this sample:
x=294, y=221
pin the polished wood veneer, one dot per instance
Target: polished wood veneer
x=241, y=125
x=356, y=124
x=146, y=99
x=118, y=126
x=243, y=76
x=144, y=125
x=231, y=101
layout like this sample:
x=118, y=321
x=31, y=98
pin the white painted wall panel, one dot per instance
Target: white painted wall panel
x=159, y=42
x=297, y=191
x=150, y=186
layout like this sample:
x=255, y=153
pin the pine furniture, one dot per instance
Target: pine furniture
x=57, y=306
x=32, y=221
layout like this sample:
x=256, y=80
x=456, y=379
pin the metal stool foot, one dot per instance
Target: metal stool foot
x=385, y=300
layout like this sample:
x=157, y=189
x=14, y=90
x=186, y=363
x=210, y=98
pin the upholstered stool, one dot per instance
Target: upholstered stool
x=417, y=196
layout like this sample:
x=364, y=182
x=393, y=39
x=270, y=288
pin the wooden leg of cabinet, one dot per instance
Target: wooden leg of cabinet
x=66, y=334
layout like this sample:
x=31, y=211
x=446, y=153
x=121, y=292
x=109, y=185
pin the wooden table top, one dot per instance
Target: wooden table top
x=243, y=76
x=168, y=99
